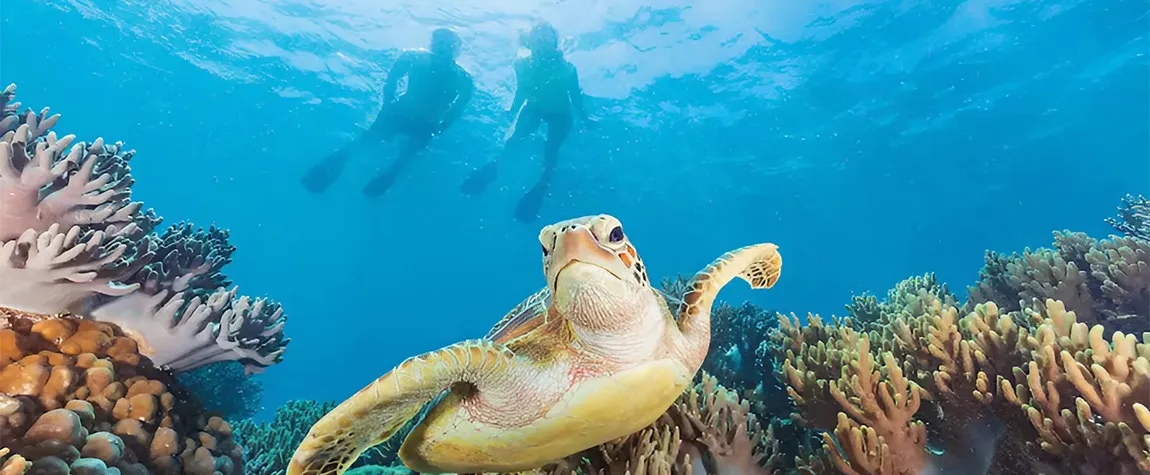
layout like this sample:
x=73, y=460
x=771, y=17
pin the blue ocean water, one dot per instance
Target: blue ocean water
x=870, y=140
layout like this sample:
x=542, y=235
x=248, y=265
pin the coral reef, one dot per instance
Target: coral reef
x=1104, y=282
x=906, y=298
x=268, y=447
x=1071, y=399
x=1133, y=217
x=76, y=396
x=225, y=389
x=73, y=241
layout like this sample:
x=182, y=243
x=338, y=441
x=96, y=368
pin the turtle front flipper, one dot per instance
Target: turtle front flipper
x=377, y=411
x=758, y=264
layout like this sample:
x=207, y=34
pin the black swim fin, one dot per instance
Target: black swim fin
x=479, y=179
x=528, y=208
x=379, y=185
x=321, y=175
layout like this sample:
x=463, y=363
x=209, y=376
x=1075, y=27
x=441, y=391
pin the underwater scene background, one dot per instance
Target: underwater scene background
x=872, y=141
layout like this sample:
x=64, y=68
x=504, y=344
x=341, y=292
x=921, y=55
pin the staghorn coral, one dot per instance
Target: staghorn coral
x=1133, y=218
x=77, y=397
x=1104, y=282
x=73, y=241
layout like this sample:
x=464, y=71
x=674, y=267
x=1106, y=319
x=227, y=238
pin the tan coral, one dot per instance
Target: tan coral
x=1086, y=395
x=812, y=355
x=880, y=436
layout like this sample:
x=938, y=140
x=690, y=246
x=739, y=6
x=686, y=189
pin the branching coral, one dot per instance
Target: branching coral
x=832, y=376
x=1133, y=217
x=182, y=334
x=1086, y=395
x=1104, y=282
x=73, y=241
x=1067, y=395
x=906, y=298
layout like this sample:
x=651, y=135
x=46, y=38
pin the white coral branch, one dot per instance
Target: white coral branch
x=26, y=174
x=180, y=334
x=51, y=272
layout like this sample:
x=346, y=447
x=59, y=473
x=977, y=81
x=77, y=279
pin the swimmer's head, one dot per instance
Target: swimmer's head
x=543, y=38
x=445, y=43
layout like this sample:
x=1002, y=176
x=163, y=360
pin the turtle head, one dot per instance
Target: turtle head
x=591, y=265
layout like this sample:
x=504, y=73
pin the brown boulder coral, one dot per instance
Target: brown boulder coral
x=76, y=397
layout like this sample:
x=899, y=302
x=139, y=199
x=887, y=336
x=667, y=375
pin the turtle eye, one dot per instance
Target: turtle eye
x=616, y=234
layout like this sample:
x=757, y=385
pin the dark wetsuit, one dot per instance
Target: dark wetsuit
x=437, y=90
x=432, y=87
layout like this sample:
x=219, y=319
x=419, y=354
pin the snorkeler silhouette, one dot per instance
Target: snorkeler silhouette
x=438, y=89
x=547, y=89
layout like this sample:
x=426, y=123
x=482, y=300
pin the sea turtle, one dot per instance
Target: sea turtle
x=594, y=356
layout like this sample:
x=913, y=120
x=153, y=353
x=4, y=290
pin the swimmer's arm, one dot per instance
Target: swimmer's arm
x=576, y=93
x=520, y=86
x=465, y=87
x=400, y=69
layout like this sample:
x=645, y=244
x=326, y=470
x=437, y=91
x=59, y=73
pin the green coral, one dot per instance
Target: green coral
x=268, y=446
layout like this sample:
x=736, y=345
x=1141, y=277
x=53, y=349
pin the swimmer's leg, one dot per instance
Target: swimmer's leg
x=379, y=185
x=323, y=173
x=558, y=127
x=525, y=124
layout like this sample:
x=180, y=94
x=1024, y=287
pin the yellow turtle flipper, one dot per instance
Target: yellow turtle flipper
x=758, y=264
x=377, y=411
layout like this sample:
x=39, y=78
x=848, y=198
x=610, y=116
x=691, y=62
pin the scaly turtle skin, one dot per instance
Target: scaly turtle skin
x=594, y=356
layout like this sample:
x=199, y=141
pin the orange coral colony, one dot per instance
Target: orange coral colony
x=75, y=395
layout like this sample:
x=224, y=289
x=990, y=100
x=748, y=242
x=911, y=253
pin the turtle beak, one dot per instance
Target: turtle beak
x=579, y=245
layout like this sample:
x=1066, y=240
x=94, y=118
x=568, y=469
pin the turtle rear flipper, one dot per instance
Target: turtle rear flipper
x=379, y=410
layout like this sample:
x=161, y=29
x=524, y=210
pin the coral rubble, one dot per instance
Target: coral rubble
x=76, y=396
x=72, y=240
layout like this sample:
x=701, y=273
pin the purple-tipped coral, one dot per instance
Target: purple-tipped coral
x=73, y=241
